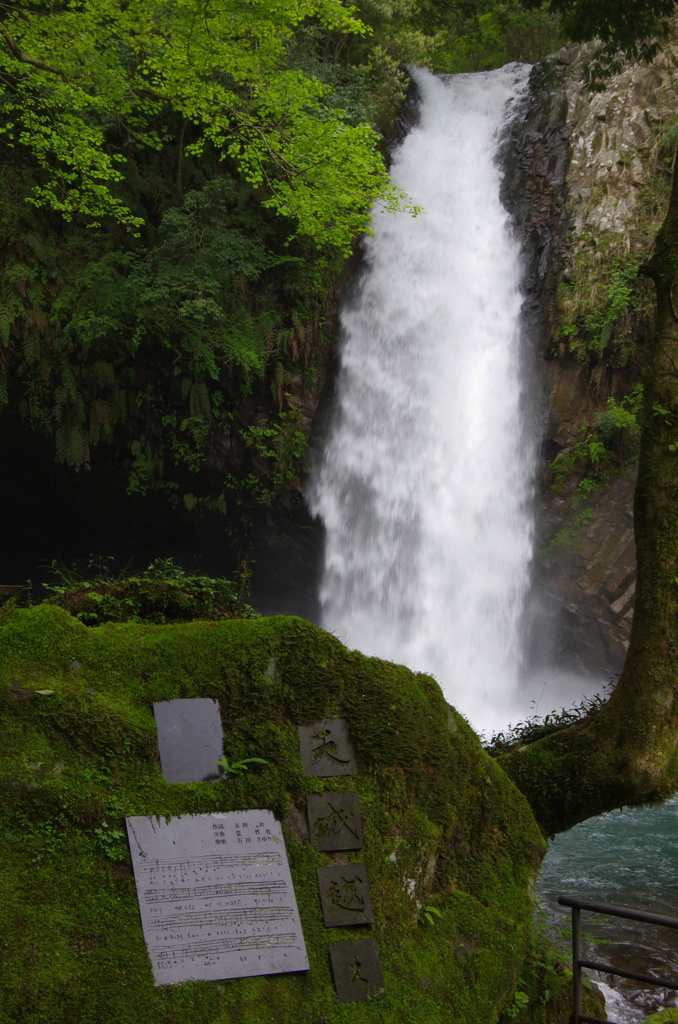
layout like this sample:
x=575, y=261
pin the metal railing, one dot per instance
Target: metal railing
x=21, y=592
x=577, y=906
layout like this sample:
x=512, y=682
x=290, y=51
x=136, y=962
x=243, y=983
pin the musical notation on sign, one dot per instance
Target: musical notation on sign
x=263, y=890
x=211, y=906
x=225, y=945
x=217, y=861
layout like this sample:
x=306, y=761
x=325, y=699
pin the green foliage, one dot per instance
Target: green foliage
x=164, y=593
x=241, y=765
x=84, y=72
x=191, y=289
x=669, y=137
x=281, y=443
x=428, y=915
x=520, y=1002
x=535, y=727
x=628, y=29
x=610, y=442
x=113, y=841
x=598, y=305
x=667, y=420
x=543, y=993
x=663, y=1017
x=156, y=345
x=569, y=534
x=494, y=34
x=450, y=39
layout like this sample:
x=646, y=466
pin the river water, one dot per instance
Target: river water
x=628, y=858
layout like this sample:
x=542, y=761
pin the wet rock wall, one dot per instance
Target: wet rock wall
x=586, y=183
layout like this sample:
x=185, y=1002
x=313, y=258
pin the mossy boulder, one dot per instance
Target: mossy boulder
x=443, y=826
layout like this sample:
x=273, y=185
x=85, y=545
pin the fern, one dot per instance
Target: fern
x=6, y=321
x=104, y=373
x=43, y=250
x=199, y=400
x=286, y=342
x=282, y=380
x=11, y=307
x=69, y=382
x=59, y=402
x=72, y=447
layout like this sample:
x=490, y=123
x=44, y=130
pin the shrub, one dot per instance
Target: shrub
x=163, y=593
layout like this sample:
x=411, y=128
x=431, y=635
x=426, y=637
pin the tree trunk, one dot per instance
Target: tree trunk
x=627, y=752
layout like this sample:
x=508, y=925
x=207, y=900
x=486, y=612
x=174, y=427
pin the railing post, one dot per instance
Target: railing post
x=576, y=969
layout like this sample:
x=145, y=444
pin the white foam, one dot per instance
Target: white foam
x=425, y=488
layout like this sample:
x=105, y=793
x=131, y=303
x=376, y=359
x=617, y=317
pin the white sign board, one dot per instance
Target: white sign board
x=215, y=896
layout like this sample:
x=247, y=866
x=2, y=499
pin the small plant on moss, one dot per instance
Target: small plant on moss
x=237, y=767
x=542, y=975
x=428, y=915
x=520, y=1001
x=47, y=838
x=111, y=841
x=611, y=440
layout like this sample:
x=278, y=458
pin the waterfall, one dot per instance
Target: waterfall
x=425, y=486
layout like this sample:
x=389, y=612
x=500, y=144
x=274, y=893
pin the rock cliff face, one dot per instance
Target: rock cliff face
x=587, y=183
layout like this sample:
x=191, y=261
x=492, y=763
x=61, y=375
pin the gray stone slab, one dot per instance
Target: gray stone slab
x=356, y=970
x=345, y=895
x=190, y=739
x=215, y=896
x=326, y=749
x=334, y=821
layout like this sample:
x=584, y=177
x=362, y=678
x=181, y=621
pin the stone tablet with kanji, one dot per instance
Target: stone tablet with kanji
x=356, y=970
x=334, y=820
x=326, y=749
x=345, y=895
x=215, y=896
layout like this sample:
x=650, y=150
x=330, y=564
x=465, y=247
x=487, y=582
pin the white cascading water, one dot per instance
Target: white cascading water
x=426, y=482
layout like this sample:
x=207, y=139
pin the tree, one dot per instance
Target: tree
x=628, y=30
x=627, y=752
x=79, y=74
x=165, y=136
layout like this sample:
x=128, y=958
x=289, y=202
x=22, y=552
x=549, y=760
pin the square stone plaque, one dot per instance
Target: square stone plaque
x=345, y=895
x=356, y=970
x=334, y=821
x=190, y=739
x=215, y=896
x=326, y=749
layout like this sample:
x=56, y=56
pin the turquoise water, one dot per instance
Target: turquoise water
x=629, y=858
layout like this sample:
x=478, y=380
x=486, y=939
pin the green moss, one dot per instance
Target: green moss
x=443, y=825
x=543, y=994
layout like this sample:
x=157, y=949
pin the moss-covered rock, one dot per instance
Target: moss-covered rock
x=664, y=1017
x=443, y=826
x=543, y=994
